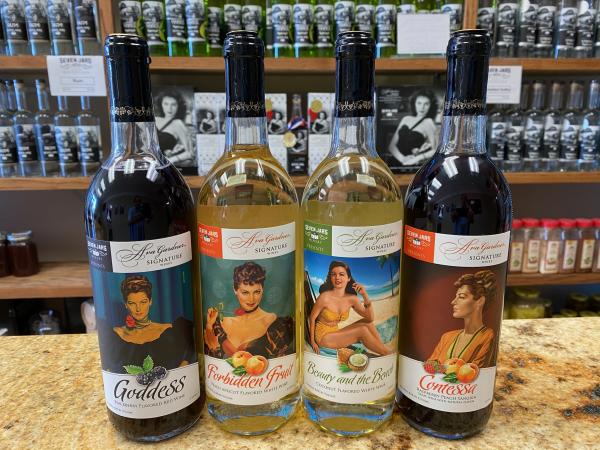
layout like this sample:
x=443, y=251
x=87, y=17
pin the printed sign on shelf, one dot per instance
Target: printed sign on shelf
x=504, y=85
x=411, y=38
x=77, y=76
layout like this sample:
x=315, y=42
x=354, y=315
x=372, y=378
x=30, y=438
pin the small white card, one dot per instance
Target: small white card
x=73, y=75
x=504, y=85
x=423, y=33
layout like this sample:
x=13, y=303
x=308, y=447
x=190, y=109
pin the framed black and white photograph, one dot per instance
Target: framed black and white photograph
x=209, y=120
x=276, y=108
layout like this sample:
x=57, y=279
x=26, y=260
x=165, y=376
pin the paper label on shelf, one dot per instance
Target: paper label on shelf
x=504, y=84
x=412, y=40
x=76, y=76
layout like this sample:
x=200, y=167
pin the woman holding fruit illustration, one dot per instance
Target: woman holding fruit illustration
x=474, y=343
x=336, y=297
x=251, y=329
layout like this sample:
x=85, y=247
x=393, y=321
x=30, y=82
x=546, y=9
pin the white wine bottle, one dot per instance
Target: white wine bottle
x=352, y=225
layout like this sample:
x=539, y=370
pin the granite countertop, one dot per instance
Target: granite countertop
x=547, y=396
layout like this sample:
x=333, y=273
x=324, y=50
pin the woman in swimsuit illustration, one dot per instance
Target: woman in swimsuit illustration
x=173, y=136
x=475, y=342
x=336, y=296
x=208, y=125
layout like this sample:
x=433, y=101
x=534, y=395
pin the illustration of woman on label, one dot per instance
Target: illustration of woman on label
x=208, y=125
x=252, y=329
x=173, y=135
x=475, y=342
x=320, y=125
x=337, y=295
x=170, y=345
x=276, y=125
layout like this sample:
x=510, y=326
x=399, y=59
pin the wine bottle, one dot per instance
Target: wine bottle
x=506, y=29
x=89, y=137
x=65, y=134
x=29, y=163
x=564, y=31
x=323, y=28
x=496, y=135
x=590, y=129
x=253, y=17
x=552, y=128
x=569, y=134
x=36, y=18
x=139, y=218
x=44, y=132
x=153, y=13
x=365, y=16
x=247, y=210
x=343, y=15
x=214, y=26
x=545, y=28
x=515, y=122
x=87, y=26
x=195, y=17
x=12, y=14
x=455, y=9
x=302, y=16
x=534, y=129
x=8, y=144
x=385, y=28
x=130, y=14
x=585, y=28
x=296, y=139
x=351, y=229
x=486, y=16
x=176, y=30
x=59, y=24
x=268, y=29
x=526, y=27
x=458, y=214
x=281, y=17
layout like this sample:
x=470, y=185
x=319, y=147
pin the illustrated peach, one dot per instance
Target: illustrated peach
x=453, y=364
x=239, y=358
x=256, y=365
x=467, y=372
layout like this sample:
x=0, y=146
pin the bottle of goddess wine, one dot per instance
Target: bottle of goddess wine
x=176, y=28
x=195, y=17
x=281, y=19
x=303, y=19
x=139, y=217
x=247, y=211
x=323, y=28
x=351, y=229
x=458, y=214
x=153, y=14
x=385, y=27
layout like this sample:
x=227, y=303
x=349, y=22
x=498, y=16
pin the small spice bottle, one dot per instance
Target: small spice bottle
x=596, y=265
x=4, y=266
x=570, y=236
x=517, y=244
x=533, y=239
x=22, y=254
x=587, y=243
x=551, y=248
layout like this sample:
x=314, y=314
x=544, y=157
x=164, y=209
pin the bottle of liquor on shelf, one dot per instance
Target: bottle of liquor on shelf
x=589, y=135
x=552, y=127
x=195, y=17
x=23, y=123
x=343, y=15
x=281, y=16
x=303, y=19
x=569, y=135
x=153, y=348
x=407, y=6
x=9, y=160
x=59, y=25
x=153, y=14
x=253, y=17
x=461, y=174
x=385, y=28
x=515, y=121
x=12, y=14
x=455, y=9
x=496, y=134
x=89, y=137
x=534, y=129
x=323, y=28
x=507, y=28
x=546, y=15
x=486, y=16
x=176, y=31
x=421, y=7
x=130, y=16
x=87, y=26
x=44, y=132
x=585, y=28
x=526, y=27
x=232, y=16
x=564, y=32
x=215, y=24
x=36, y=18
x=11, y=99
x=65, y=133
x=351, y=193
x=248, y=193
x=296, y=139
x=365, y=16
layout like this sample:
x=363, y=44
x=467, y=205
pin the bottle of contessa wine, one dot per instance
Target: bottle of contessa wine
x=139, y=218
x=456, y=239
x=247, y=211
x=351, y=229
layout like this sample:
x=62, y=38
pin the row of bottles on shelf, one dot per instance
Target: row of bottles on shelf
x=44, y=27
x=46, y=143
x=532, y=137
x=541, y=28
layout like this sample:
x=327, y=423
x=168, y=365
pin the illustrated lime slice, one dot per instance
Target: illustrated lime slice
x=289, y=139
x=203, y=30
x=358, y=360
x=316, y=106
x=269, y=104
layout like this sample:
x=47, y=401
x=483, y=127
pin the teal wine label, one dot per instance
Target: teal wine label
x=143, y=294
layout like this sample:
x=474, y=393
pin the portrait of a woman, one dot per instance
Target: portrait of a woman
x=320, y=125
x=173, y=135
x=474, y=343
x=276, y=125
x=208, y=125
x=337, y=296
x=415, y=140
x=251, y=328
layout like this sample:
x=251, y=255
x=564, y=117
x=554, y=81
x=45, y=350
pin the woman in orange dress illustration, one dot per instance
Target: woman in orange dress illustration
x=475, y=342
x=336, y=297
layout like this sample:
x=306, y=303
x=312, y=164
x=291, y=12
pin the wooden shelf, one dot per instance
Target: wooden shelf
x=538, y=279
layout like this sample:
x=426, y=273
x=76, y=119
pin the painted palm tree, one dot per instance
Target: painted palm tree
x=387, y=259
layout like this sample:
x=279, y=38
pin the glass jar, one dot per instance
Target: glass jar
x=551, y=246
x=4, y=265
x=527, y=304
x=595, y=302
x=588, y=314
x=568, y=312
x=533, y=238
x=570, y=236
x=587, y=243
x=517, y=243
x=578, y=302
x=45, y=322
x=547, y=307
x=596, y=266
x=22, y=254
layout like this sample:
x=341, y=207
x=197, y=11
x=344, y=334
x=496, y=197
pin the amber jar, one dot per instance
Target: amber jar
x=4, y=266
x=22, y=254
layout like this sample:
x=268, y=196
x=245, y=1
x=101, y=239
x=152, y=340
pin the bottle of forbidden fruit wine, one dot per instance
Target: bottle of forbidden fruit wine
x=247, y=211
x=352, y=230
x=458, y=214
x=139, y=217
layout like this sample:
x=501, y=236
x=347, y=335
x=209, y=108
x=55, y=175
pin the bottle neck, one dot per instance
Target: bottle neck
x=463, y=135
x=556, y=98
x=85, y=104
x=42, y=99
x=537, y=100
x=245, y=133
x=21, y=98
x=353, y=135
x=594, y=96
x=10, y=98
x=297, y=107
x=63, y=104
x=575, y=99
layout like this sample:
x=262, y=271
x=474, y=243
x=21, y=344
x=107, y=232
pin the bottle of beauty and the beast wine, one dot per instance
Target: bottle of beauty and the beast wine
x=139, y=217
x=458, y=213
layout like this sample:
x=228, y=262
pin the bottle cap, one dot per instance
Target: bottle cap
x=550, y=223
x=584, y=223
x=567, y=223
x=21, y=236
x=242, y=44
x=123, y=45
x=516, y=224
x=531, y=223
x=597, y=222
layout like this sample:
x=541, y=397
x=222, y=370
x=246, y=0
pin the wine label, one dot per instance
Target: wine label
x=443, y=365
x=281, y=17
x=586, y=20
x=89, y=143
x=323, y=25
x=252, y=17
x=344, y=16
x=66, y=143
x=486, y=17
x=570, y=254
x=385, y=21
x=13, y=17
x=549, y=264
x=269, y=28
x=533, y=139
x=407, y=8
x=46, y=142
x=303, y=19
x=513, y=141
x=545, y=24
x=213, y=26
x=36, y=15
x=531, y=264
x=59, y=20
x=248, y=301
x=26, y=146
x=153, y=13
x=351, y=283
x=507, y=22
x=195, y=15
x=232, y=17
x=516, y=256
x=455, y=10
x=588, y=138
x=130, y=12
x=527, y=22
x=365, y=17
x=587, y=253
x=8, y=145
x=175, y=19
x=551, y=138
x=143, y=293
x=567, y=18
x=568, y=140
x=85, y=20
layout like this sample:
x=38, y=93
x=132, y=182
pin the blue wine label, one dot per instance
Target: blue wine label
x=344, y=16
x=365, y=17
x=143, y=294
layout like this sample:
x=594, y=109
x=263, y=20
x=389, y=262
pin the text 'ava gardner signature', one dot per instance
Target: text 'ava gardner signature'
x=257, y=241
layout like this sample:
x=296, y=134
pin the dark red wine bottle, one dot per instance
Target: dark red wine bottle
x=458, y=214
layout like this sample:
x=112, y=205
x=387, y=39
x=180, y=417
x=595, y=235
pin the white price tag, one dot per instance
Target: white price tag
x=73, y=75
x=504, y=85
x=423, y=33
